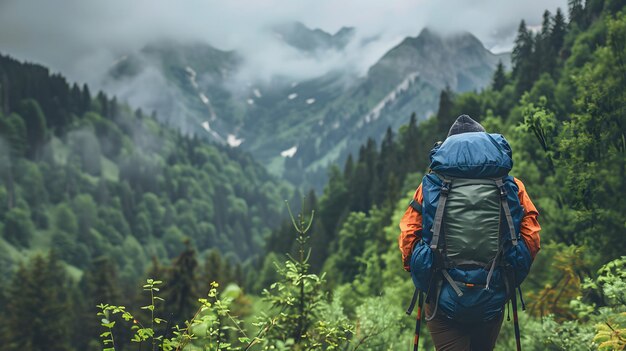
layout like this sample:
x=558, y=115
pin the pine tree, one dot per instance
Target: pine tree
x=445, y=115
x=180, y=292
x=559, y=29
x=409, y=141
x=18, y=227
x=348, y=168
x=86, y=99
x=36, y=315
x=215, y=270
x=545, y=52
x=4, y=92
x=576, y=12
x=522, y=58
x=499, y=78
x=35, y=123
x=99, y=284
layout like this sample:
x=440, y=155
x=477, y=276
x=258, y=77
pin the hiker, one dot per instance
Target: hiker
x=460, y=239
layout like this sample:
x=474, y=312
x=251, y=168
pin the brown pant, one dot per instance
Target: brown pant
x=448, y=335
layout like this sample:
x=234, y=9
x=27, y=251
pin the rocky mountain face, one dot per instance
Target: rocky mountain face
x=297, y=128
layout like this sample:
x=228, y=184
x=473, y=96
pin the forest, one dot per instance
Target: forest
x=116, y=230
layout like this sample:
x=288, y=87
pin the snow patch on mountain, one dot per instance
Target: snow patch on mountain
x=233, y=141
x=292, y=96
x=257, y=93
x=192, y=76
x=310, y=101
x=207, y=127
x=250, y=101
x=289, y=152
x=204, y=98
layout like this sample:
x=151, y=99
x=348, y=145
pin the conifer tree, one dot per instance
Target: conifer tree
x=99, y=284
x=409, y=139
x=522, y=59
x=36, y=316
x=215, y=270
x=180, y=293
x=576, y=12
x=348, y=168
x=545, y=52
x=86, y=99
x=444, y=112
x=499, y=78
x=18, y=227
x=557, y=35
x=35, y=123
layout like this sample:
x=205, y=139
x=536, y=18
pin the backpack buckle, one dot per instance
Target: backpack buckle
x=445, y=188
x=503, y=193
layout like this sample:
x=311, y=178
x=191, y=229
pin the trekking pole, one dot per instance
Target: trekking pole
x=418, y=322
x=516, y=322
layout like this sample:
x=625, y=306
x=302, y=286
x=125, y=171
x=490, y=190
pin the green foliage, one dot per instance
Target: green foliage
x=611, y=327
x=35, y=123
x=211, y=327
x=36, y=315
x=18, y=227
x=121, y=174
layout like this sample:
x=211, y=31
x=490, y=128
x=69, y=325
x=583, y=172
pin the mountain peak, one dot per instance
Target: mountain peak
x=427, y=33
x=299, y=36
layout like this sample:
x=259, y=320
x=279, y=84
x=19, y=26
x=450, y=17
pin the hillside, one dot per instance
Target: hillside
x=86, y=176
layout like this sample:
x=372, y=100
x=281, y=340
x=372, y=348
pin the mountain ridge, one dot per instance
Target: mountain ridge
x=338, y=110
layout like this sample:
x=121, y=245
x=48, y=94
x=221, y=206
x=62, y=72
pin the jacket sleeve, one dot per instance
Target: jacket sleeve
x=410, y=229
x=529, y=228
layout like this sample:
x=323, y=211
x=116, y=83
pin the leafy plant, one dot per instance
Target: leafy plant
x=209, y=328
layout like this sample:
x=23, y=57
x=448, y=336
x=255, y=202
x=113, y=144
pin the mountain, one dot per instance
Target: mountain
x=297, y=128
x=176, y=80
x=301, y=37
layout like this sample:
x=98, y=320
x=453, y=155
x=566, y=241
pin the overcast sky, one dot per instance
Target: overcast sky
x=82, y=38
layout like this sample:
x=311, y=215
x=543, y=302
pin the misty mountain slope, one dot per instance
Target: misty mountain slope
x=407, y=79
x=88, y=176
x=301, y=126
x=460, y=62
x=176, y=80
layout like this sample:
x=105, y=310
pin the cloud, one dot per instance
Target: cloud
x=82, y=39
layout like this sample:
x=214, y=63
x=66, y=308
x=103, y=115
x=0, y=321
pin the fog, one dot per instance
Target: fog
x=83, y=39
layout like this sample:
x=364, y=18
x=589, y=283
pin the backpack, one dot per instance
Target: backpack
x=471, y=256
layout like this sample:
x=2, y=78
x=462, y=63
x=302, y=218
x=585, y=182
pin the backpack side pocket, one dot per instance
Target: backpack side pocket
x=519, y=258
x=421, y=265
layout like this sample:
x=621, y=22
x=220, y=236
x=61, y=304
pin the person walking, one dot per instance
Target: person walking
x=468, y=238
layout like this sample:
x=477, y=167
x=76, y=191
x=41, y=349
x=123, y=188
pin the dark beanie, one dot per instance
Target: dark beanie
x=465, y=124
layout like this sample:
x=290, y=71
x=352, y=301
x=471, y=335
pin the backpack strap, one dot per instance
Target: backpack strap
x=493, y=266
x=413, y=301
x=416, y=206
x=507, y=210
x=443, y=196
x=437, y=293
x=453, y=284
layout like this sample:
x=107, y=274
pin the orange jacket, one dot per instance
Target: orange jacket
x=411, y=225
